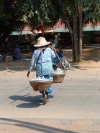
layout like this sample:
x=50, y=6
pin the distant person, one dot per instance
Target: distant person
x=17, y=52
x=25, y=44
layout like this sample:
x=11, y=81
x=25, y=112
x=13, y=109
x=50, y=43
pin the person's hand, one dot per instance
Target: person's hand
x=28, y=74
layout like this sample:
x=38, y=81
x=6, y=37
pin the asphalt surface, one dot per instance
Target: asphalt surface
x=73, y=107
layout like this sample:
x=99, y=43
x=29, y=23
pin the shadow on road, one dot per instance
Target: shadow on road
x=33, y=126
x=29, y=101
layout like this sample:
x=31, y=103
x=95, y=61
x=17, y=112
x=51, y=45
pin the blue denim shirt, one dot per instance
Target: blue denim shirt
x=43, y=61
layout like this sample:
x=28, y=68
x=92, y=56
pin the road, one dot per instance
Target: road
x=73, y=107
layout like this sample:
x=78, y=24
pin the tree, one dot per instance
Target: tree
x=11, y=16
x=71, y=13
x=36, y=12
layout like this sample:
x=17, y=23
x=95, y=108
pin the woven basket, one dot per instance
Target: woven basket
x=58, y=78
x=39, y=86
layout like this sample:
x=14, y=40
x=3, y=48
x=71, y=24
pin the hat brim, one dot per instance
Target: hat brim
x=40, y=45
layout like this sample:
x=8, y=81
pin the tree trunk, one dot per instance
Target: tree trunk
x=80, y=33
x=76, y=36
x=75, y=39
x=71, y=33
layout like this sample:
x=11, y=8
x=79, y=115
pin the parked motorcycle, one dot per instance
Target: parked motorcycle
x=61, y=61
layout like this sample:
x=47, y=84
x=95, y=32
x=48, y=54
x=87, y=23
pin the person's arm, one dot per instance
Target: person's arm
x=53, y=55
x=32, y=63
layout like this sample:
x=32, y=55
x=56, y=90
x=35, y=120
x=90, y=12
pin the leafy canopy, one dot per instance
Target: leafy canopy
x=14, y=14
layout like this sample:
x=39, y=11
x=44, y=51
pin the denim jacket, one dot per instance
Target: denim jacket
x=43, y=61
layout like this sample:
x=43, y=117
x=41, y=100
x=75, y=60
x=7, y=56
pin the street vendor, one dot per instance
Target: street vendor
x=42, y=57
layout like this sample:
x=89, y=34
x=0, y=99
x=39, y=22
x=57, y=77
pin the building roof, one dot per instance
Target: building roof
x=88, y=28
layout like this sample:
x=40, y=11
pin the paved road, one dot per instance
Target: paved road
x=73, y=107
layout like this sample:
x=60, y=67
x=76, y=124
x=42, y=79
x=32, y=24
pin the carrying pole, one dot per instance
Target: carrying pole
x=58, y=58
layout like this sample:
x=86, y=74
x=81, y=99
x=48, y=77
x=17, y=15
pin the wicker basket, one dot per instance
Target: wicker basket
x=39, y=86
x=58, y=78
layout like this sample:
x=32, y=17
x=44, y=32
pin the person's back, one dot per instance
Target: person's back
x=17, y=53
x=43, y=61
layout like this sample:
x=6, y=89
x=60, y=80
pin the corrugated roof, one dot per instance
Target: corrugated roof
x=88, y=28
x=61, y=30
x=20, y=33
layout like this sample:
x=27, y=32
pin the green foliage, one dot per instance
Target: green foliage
x=15, y=14
x=91, y=12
